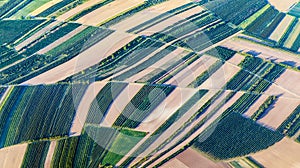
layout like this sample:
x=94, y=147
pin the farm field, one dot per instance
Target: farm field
x=149, y=83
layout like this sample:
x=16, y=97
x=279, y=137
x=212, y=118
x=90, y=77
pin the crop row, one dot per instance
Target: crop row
x=233, y=142
x=51, y=38
x=36, y=154
x=287, y=33
x=271, y=27
x=206, y=74
x=263, y=109
x=124, y=57
x=258, y=25
x=291, y=125
x=166, y=125
x=203, y=39
x=165, y=69
x=296, y=44
x=90, y=9
x=10, y=27
x=29, y=122
x=178, y=29
x=101, y=150
x=37, y=64
x=103, y=101
x=158, y=56
x=235, y=11
x=162, y=17
x=142, y=104
x=5, y=8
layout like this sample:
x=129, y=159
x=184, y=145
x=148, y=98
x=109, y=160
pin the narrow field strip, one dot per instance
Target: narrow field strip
x=120, y=103
x=44, y=7
x=61, y=40
x=108, y=11
x=84, y=106
x=281, y=28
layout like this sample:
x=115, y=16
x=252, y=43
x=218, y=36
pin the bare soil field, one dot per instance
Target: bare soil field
x=12, y=157
x=194, y=159
x=84, y=106
x=84, y=60
x=148, y=14
x=108, y=11
x=192, y=71
x=162, y=64
x=175, y=126
x=119, y=103
x=289, y=80
x=282, y=6
x=173, y=163
x=236, y=59
x=219, y=79
x=255, y=106
x=50, y=154
x=281, y=28
x=165, y=110
x=265, y=52
x=78, y=9
x=285, y=153
x=204, y=126
x=282, y=109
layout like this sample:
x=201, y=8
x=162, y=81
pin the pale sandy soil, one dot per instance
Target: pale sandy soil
x=172, y=129
x=84, y=106
x=78, y=9
x=290, y=80
x=162, y=25
x=267, y=53
x=87, y=58
x=176, y=125
x=283, y=154
x=293, y=36
x=12, y=157
x=283, y=6
x=120, y=102
x=174, y=163
x=282, y=109
x=108, y=11
x=148, y=14
x=218, y=79
x=44, y=7
x=204, y=126
x=236, y=59
x=192, y=71
x=61, y=40
x=50, y=154
x=193, y=159
x=165, y=110
x=159, y=65
x=281, y=28
x=276, y=90
x=255, y=106
x=36, y=35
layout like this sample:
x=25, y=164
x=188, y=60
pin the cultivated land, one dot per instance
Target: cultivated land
x=283, y=153
x=156, y=83
x=104, y=13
